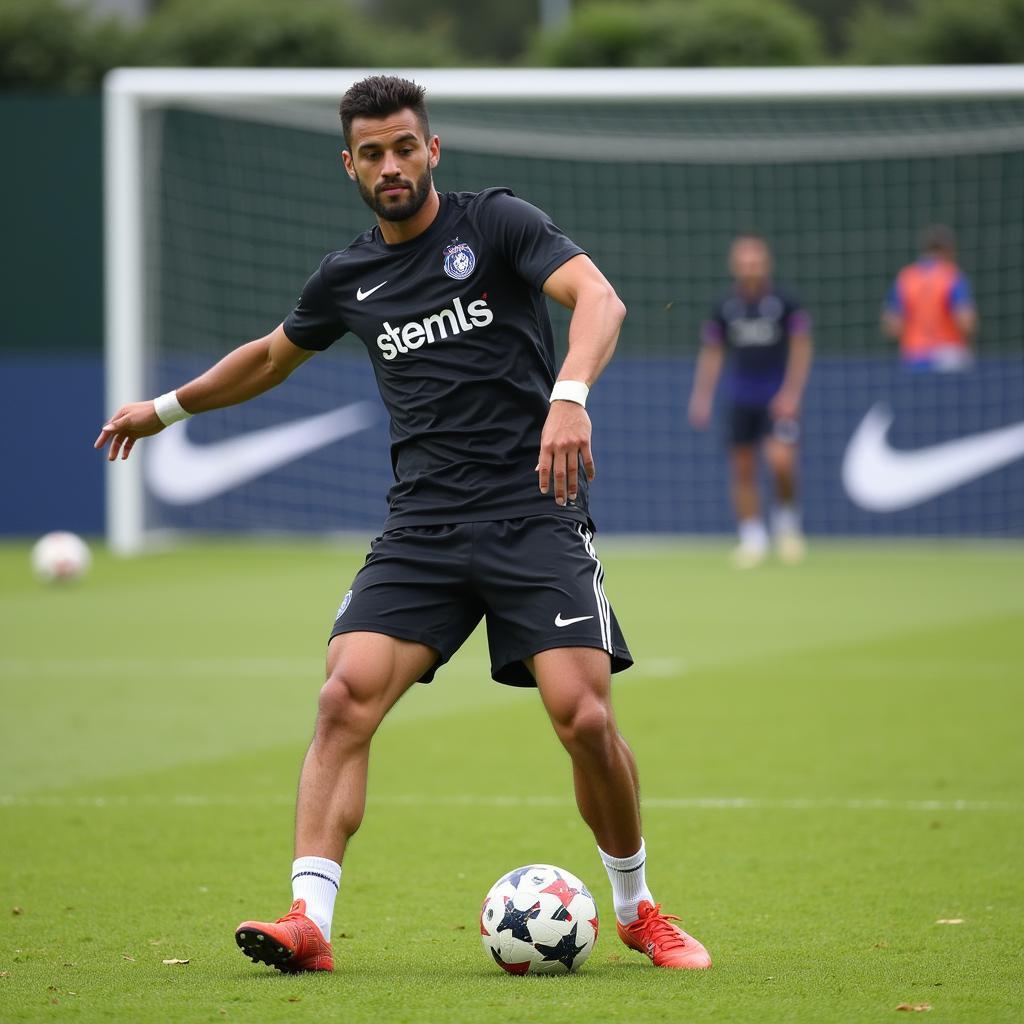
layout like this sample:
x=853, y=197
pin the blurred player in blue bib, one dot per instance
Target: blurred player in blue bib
x=764, y=335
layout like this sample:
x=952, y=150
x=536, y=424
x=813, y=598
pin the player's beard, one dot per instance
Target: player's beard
x=405, y=209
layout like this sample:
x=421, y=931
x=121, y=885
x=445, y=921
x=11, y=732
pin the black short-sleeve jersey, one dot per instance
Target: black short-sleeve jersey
x=457, y=329
x=756, y=331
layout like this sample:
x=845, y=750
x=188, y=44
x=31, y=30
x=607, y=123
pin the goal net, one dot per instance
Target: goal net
x=225, y=188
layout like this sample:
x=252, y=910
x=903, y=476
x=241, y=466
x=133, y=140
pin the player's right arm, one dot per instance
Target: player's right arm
x=709, y=369
x=244, y=373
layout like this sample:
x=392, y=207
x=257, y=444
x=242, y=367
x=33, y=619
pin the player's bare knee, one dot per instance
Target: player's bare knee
x=589, y=729
x=344, y=708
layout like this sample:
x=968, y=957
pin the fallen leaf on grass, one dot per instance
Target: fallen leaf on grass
x=5, y=974
x=458, y=927
x=881, y=944
x=915, y=1007
x=295, y=999
x=17, y=911
x=950, y=920
x=175, y=961
x=125, y=956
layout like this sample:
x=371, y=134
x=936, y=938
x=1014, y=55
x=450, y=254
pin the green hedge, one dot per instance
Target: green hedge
x=939, y=32
x=47, y=44
x=700, y=33
x=279, y=33
x=58, y=44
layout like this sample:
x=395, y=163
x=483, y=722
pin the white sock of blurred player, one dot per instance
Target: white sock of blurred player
x=786, y=519
x=753, y=544
x=316, y=880
x=629, y=884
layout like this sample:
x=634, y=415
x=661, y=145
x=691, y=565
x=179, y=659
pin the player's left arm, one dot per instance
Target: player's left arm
x=965, y=313
x=892, y=322
x=597, y=315
x=786, y=403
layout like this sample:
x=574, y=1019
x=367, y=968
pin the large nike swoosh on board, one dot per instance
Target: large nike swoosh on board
x=182, y=473
x=879, y=478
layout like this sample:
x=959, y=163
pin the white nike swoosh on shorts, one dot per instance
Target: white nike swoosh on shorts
x=879, y=478
x=559, y=621
x=182, y=473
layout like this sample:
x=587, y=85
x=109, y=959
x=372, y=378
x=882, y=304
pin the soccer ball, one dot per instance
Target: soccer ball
x=60, y=556
x=538, y=920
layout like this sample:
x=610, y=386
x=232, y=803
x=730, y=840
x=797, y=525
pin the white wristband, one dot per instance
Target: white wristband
x=570, y=391
x=168, y=409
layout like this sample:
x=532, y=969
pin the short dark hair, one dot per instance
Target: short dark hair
x=751, y=236
x=938, y=238
x=381, y=95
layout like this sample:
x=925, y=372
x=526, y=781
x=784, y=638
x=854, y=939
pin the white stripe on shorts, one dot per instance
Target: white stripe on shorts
x=603, y=607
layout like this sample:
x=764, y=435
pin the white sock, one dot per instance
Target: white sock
x=786, y=519
x=629, y=884
x=316, y=880
x=753, y=533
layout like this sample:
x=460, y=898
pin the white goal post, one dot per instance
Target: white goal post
x=279, y=95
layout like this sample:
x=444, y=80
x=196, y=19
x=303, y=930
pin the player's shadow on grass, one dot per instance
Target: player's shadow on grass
x=410, y=972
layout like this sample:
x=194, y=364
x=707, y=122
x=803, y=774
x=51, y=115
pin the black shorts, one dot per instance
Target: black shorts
x=751, y=424
x=537, y=580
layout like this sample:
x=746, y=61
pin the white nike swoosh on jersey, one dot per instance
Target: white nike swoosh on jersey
x=360, y=294
x=559, y=621
x=182, y=473
x=879, y=478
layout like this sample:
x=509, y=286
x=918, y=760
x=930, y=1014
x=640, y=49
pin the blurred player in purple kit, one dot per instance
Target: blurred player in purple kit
x=764, y=335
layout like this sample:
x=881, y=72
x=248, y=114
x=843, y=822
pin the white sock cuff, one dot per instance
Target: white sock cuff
x=318, y=867
x=786, y=518
x=625, y=864
x=753, y=532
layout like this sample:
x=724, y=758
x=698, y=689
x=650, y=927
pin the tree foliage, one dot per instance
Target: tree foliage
x=47, y=45
x=50, y=44
x=59, y=44
x=939, y=32
x=700, y=33
x=279, y=33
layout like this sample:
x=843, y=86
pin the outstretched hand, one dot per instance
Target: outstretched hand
x=126, y=426
x=785, y=405
x=564, y=440
x=700, y=411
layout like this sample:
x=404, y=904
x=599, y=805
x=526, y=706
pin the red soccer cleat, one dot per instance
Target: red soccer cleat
x=293, y=943
x=654, y=934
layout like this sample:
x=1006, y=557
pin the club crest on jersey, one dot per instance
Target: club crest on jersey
x=459, y=261
x=344, y=604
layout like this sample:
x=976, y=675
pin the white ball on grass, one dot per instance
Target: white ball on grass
x=60, y=556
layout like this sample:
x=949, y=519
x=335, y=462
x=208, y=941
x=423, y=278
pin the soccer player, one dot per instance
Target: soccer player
x=929, y=309
x=488, y=514
x=767, y=337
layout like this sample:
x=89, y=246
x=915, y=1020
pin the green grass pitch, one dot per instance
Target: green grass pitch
x=831, y=759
